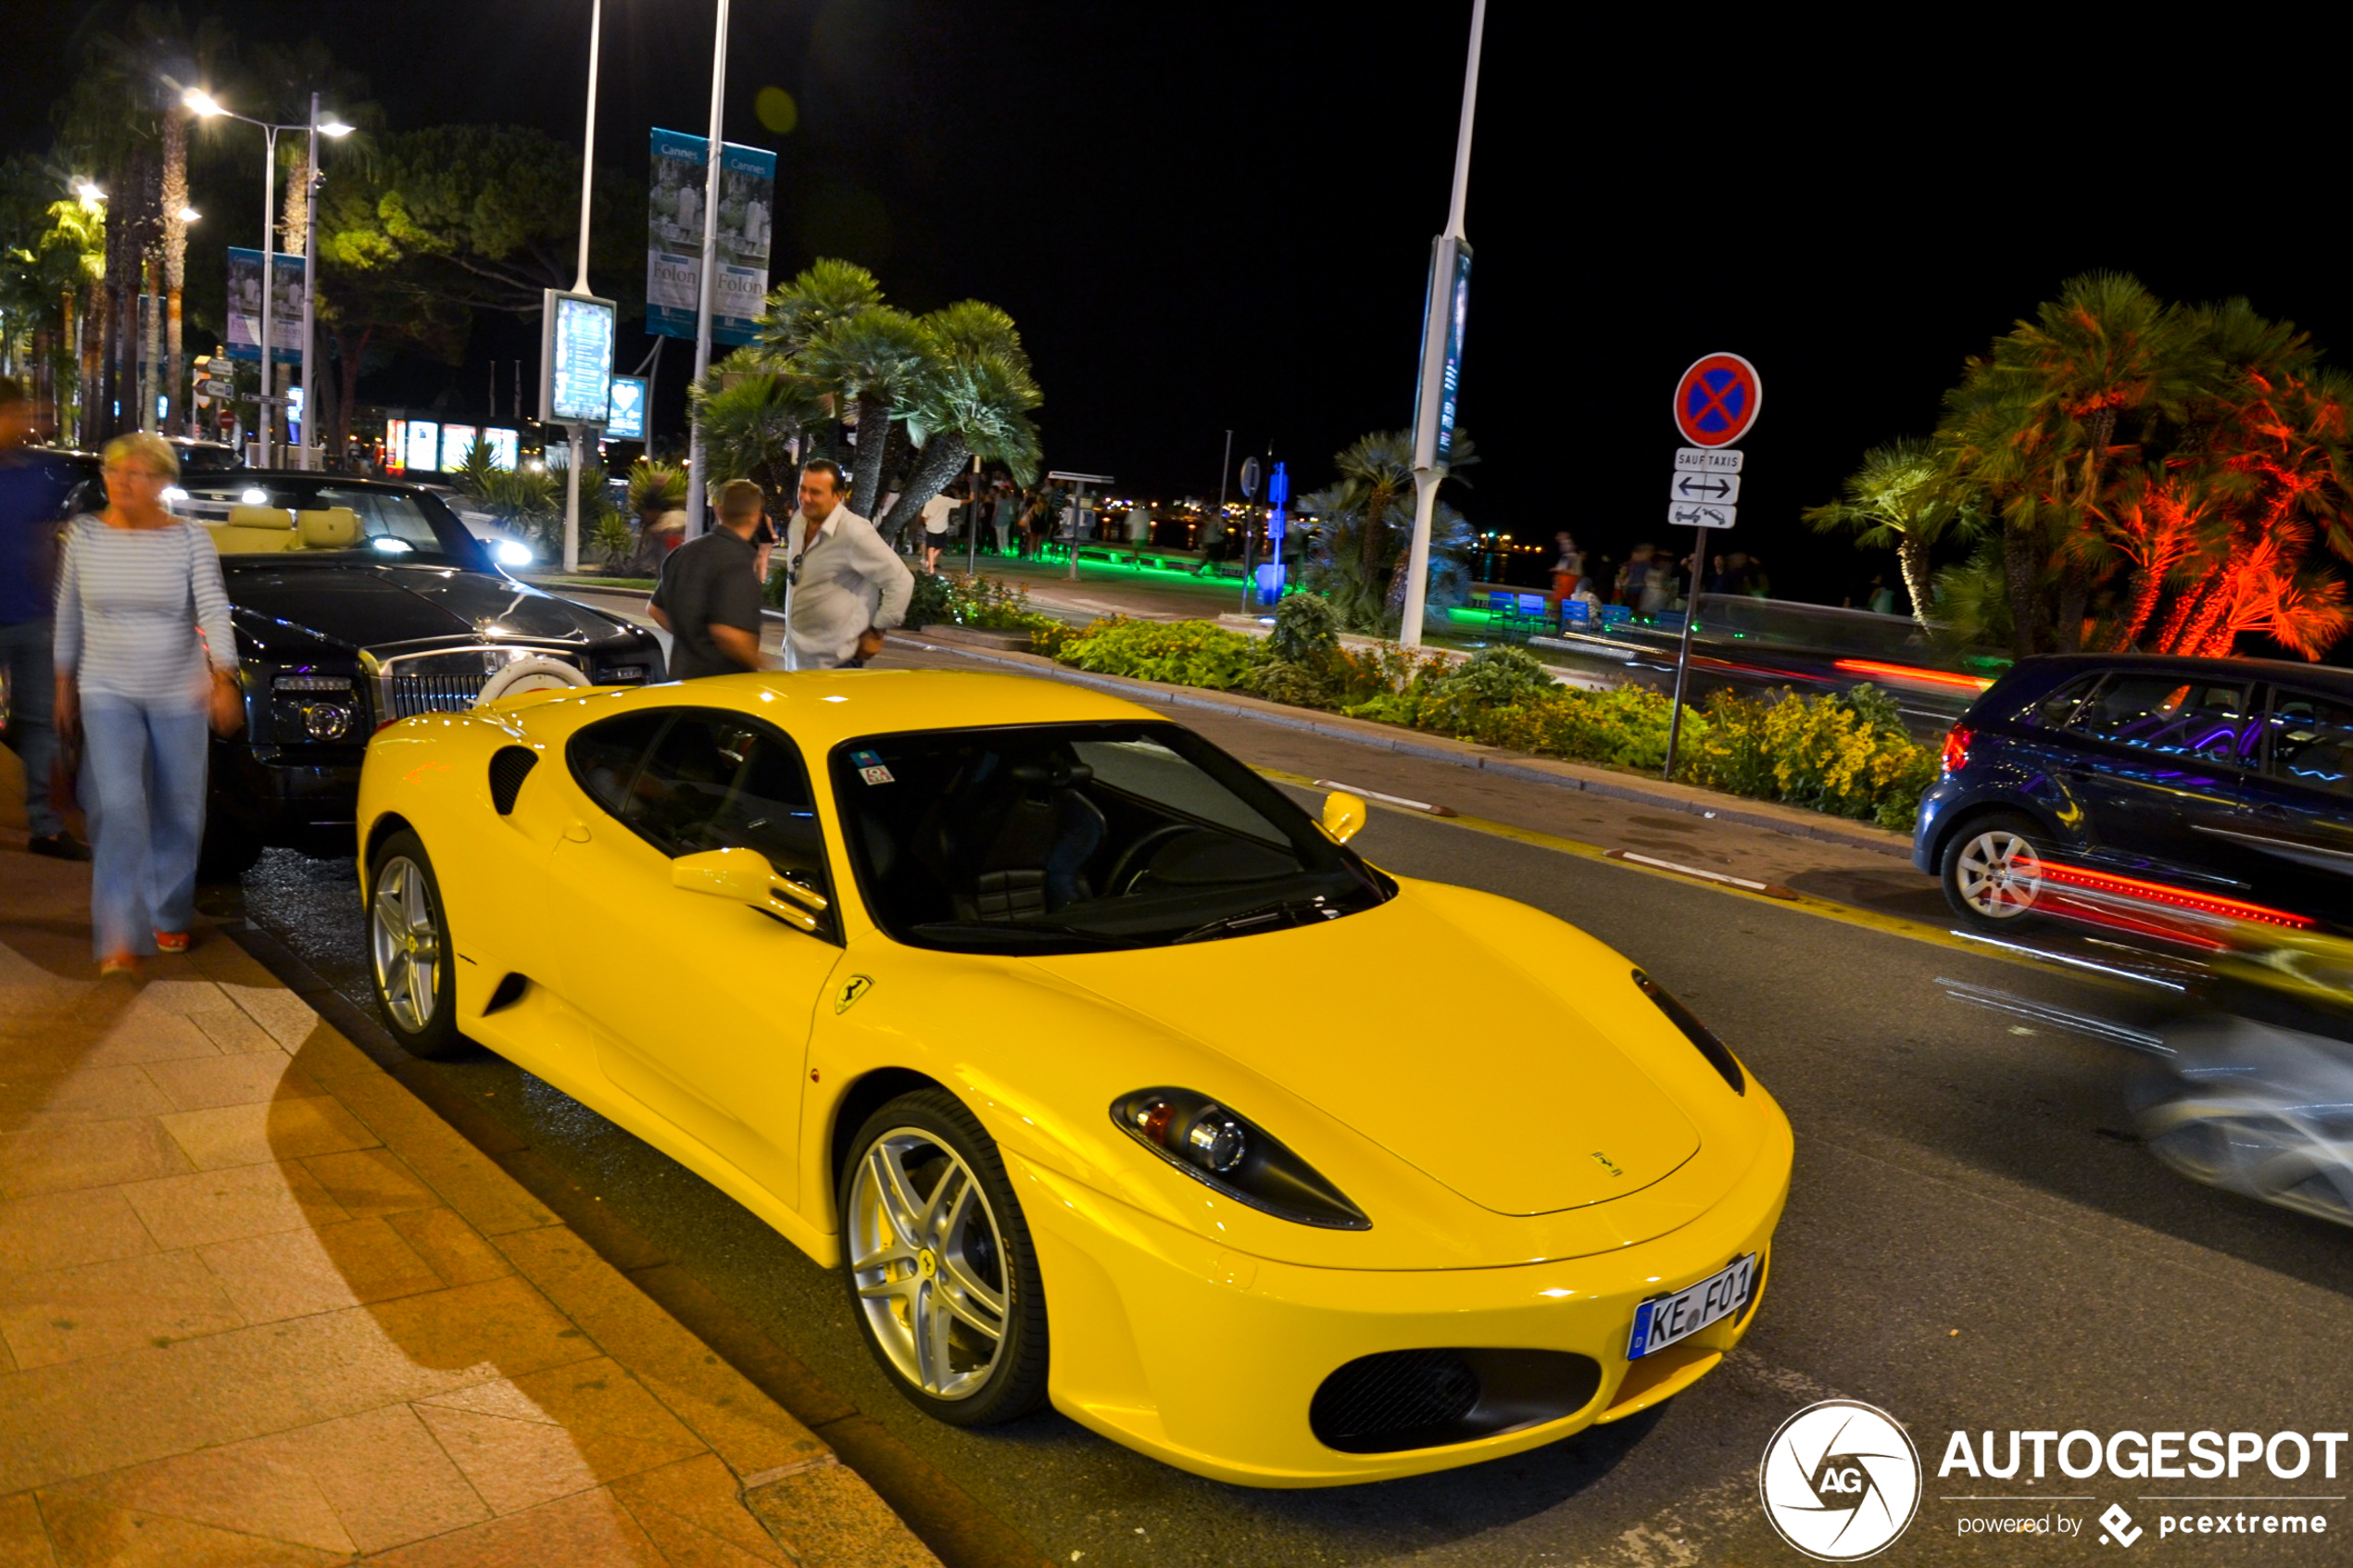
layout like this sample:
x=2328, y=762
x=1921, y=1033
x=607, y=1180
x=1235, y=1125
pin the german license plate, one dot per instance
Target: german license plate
x=1663, y=1320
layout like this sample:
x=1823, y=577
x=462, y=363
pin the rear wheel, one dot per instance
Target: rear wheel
x=1991, y=871
x=943, y=1279
x=408, y=950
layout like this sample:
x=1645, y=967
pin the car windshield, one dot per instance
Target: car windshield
x=1081, y=838
x=263, y=514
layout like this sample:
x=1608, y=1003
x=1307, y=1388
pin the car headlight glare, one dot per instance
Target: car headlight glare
x=513, y=552
x=1720, y=1056
x=1222, y=1149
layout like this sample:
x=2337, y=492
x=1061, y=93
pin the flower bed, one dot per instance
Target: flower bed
x=1846, y=754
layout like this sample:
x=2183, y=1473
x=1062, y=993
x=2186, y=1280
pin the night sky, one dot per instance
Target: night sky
x=1219, y=215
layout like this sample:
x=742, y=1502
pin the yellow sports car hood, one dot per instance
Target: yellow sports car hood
x=1462, y=1057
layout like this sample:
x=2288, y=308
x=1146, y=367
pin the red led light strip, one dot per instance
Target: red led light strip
x=1910, y=672
x=2158, y=893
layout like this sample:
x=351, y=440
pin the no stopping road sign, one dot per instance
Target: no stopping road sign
x=1716, y=402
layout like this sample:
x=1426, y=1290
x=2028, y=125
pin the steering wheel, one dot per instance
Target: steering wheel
x=1131, y=859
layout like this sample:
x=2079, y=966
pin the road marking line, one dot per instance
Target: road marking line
x=1399, y=800
x=1823, y=909
x=1770, y=889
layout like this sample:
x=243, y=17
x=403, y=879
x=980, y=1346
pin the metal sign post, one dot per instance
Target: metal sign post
x=1716, y=404
x=1250, y=477
x=1077, y=508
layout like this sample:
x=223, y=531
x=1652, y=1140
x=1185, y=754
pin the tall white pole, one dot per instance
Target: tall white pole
x=697, y=463
x=580, y=285
x=310, y=286
x=1427, y=473
x=263, y=425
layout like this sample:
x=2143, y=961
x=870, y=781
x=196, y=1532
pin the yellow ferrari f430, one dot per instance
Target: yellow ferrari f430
x=1104, y=1073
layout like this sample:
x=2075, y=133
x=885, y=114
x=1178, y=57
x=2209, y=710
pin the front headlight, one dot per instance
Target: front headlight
x=513, y=552
x=313, y=707
x=1220, y=1148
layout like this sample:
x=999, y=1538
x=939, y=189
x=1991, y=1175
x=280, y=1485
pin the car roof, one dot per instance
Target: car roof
x=823, y=708
x=2325, y=677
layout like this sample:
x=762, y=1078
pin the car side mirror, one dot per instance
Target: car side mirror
x=746, y=876
x=1344, y=815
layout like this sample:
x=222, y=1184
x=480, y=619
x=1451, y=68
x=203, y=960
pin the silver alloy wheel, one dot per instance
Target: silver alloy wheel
x=928, y=1262
x=404, y=938
x=1996, y=874
x=2293, y=1158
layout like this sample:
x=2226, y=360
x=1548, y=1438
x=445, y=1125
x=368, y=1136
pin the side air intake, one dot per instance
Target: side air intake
x=508, y=768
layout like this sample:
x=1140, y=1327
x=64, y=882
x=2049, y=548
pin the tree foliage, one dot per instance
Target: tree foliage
x=1361, y=549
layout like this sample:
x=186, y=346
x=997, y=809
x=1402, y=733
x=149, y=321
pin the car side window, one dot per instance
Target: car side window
x=721, y=780
x=604, y=757
x=2209, y=720
x=2312, y=741
x=2055, y=710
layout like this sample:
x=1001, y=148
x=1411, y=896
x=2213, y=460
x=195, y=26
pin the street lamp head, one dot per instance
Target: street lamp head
x=331, y=126
x=202, y=103
x=90, y=195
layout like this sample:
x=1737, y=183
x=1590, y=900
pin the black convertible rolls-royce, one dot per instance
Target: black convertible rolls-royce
x=359, y=602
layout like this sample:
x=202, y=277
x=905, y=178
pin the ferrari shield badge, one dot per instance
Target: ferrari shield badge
x=857, y=988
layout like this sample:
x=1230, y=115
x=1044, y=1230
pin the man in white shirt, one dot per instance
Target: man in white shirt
x=843, y=584
x=939, y=514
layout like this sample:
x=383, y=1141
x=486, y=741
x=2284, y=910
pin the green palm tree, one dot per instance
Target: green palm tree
x=878, y=361
x=1364, y=545
x=827, y=291
x=1904, y=494
x=976, y=402
x=753, y=424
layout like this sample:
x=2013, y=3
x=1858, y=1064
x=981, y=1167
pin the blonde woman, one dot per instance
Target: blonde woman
x=146, y=659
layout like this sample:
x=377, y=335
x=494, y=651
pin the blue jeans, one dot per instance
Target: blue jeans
x=142, y=785
x=25, y=653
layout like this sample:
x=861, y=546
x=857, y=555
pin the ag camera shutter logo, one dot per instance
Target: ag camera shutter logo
x=1840, y=1480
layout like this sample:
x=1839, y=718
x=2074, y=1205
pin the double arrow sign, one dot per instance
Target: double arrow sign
x=1706, y=482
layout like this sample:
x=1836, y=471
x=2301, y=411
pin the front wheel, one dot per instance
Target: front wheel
x=943, y=1277
x=1991, y=871
x=409, y=948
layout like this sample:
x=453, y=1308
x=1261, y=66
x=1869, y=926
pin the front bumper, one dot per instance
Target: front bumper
x=305, y=797
x=1208, y=1359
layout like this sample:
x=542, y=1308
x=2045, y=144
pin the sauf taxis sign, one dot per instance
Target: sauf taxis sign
x=1841, y=1481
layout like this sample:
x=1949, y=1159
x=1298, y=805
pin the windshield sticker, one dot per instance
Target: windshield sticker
x=869, y=767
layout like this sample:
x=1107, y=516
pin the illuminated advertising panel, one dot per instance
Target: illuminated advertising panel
x=506, y=448
x=396, y=446
x=627, y=420
x=423, y=451
x=455, y=441
x=576, y=342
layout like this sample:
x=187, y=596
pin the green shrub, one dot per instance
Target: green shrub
x=932, y=603
x=1306, y=631
x=1187, y=652
x=1847, y=754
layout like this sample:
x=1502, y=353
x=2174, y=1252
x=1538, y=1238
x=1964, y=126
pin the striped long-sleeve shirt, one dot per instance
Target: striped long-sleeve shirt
x=130, y=602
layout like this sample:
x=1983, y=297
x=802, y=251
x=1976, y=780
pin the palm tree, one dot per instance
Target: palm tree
x=1363, y=548
x=975, y=402
x=826, y=292
x=753, y=422
x=2042, y=425
x=1903, y=495
x=878, y=361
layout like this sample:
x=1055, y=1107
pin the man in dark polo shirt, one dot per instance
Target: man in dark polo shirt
x=709, y=596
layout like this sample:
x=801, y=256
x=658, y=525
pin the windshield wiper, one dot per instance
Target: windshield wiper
x=1291, y=912
x=1032, y=929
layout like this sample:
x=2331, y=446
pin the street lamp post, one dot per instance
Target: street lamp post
x=697, y=461
x=207, y=107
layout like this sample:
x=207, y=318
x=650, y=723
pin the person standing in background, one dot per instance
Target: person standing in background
x=145, y=657
x=709, y=596
x=844, y=587
x=31, y=492
x=940, y=515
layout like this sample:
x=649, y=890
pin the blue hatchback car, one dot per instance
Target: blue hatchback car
x=2223, y=778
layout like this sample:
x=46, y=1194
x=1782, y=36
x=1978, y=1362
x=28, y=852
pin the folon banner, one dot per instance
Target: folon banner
x=673, y=245
x=245, y=306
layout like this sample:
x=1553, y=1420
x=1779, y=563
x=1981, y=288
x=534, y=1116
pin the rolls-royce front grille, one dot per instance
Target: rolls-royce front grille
x=447, y=682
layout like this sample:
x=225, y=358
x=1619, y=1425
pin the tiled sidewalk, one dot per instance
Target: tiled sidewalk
x=260, y=1305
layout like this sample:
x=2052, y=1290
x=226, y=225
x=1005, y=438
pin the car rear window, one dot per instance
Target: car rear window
x=2312, y=741
x=2210, y=720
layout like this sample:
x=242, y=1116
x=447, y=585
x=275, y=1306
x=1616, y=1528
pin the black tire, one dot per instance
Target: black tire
x=228, y=851
x=411, y=958
x=922, y=1278
x=1986, y=871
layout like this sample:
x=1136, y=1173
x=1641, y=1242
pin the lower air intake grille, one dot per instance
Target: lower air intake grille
x=508, y=768
x=1403, y=1399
